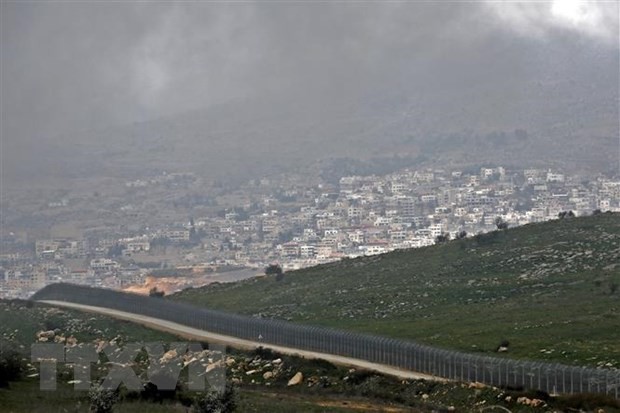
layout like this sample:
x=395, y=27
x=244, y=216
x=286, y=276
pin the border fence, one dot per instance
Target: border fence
x=403, y=354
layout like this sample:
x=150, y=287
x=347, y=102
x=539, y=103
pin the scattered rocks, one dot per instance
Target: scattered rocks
x=267, y=375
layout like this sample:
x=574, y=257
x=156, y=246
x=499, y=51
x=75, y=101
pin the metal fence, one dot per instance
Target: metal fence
x=407, y=355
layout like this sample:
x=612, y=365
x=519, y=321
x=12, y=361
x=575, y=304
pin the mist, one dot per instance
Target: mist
x=70, y=68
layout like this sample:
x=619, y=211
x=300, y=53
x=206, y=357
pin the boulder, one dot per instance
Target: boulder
x=267, y=375
x=49, y=334
x=296, y=379
x=168, y=356
x=213, y=366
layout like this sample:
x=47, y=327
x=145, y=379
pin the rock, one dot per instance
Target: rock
x=59, y=339
x=72, y=341
x=508, y=399
x=296, y=379
x=502, y=349
x=230, y=361
x=213, y=366
x=451, y=408
x=524, y=400
x=47, y=334
x=168, y=356
x=425, y=396
x=250, y=372
x=537, y=403
x=477, y=385
x=236, y=380
x=267, y=375
x=101, y=344
x=277, y=361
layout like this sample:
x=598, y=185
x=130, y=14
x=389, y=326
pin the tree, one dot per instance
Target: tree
x=500, y=223
x=275, y=269
x=596, y=212
x=442, y=238
x=461, y=234
x=115, y=250
x=154, y=292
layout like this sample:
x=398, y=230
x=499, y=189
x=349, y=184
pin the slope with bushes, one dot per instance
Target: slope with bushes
x=550, y=290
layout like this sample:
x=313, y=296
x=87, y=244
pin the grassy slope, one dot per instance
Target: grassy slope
x=547, y=288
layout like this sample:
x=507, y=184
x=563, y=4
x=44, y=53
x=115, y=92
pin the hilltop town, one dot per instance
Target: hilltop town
x=292, y=223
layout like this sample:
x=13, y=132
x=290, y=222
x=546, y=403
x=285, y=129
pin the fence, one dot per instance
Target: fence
x=407, y=355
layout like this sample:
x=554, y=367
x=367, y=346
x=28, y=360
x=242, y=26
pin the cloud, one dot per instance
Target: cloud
x=73, y=66
x=595, y=19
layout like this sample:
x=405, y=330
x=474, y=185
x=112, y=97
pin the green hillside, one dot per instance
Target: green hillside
x=550, y=289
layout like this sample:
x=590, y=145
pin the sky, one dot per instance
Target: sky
x=74, y=66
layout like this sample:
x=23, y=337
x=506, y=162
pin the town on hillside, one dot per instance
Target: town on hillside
x=297, y=224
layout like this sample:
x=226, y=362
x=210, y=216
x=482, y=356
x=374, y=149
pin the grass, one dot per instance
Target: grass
x=550, y=289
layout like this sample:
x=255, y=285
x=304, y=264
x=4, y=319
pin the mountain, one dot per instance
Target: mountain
x=516, y=102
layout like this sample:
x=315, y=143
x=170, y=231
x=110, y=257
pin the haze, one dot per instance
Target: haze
x=73, y=70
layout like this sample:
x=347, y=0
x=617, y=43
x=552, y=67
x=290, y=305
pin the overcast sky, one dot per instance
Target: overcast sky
x=70, y=66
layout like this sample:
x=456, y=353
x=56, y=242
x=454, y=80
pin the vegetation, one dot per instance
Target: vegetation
x=326, y=387
x=551, y=289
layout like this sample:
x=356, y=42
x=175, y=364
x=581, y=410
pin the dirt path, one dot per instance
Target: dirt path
x=197, y=334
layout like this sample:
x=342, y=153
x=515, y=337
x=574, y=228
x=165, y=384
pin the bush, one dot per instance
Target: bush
x=154, y=292
x=10, y=365
x=214, y=402
x=102, y=400
x=586, y=401
x=274, y=269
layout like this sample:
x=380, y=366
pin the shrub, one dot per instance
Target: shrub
x=10, y=365
x=586, y=401
x=214, y=402
x=102, y=400
x=154, y=292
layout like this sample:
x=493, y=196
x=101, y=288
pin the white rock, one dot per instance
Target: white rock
x=296, y=379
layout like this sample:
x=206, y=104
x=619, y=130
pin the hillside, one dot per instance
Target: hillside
x=550, y=289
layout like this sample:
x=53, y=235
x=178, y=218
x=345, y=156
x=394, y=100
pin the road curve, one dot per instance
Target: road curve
x=202, y=335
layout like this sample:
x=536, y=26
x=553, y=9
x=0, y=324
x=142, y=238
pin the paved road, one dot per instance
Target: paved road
x=202, y=335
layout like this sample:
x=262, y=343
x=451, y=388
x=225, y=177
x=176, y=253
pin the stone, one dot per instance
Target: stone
x=296, y=379
x=168, y=356
x=267, y=375
x=277, y=361
x=47, y=334
x=213, y=366
x=537, y=403
x=524, y=400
